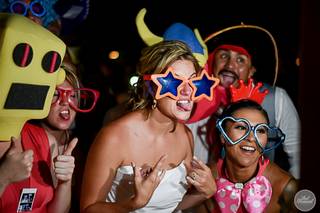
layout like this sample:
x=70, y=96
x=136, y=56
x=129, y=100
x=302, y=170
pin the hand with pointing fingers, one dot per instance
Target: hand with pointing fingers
x=16, y=165
x=201, y=178
x=145, y=185
x=64, y=164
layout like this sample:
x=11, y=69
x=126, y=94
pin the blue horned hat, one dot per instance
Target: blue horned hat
x=176, y=31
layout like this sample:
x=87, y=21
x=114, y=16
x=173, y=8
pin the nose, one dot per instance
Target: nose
x=230, y=64
x=186, y=90
x=251, y=136
x=64, y=99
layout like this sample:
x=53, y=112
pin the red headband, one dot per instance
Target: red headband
x=233, y=48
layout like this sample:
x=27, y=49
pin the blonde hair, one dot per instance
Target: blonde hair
x=71, y=74
x=157, y=59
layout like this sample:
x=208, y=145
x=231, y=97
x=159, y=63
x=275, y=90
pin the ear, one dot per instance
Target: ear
x=222, y=140
x=252, y=70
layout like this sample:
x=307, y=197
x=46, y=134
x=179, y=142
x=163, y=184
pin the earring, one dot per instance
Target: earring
x=154, y=104
x=222, y=152
x=262, y=159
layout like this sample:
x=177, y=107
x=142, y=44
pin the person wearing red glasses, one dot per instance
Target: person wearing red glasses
x=39, y=163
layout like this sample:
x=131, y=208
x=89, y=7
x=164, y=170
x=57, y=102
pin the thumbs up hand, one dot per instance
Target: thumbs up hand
x=16, y=165
x=64, y=164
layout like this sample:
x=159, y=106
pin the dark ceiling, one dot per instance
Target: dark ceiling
x=111, y=25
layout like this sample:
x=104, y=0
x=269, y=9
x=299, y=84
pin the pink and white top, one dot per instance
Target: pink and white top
x=253, y=196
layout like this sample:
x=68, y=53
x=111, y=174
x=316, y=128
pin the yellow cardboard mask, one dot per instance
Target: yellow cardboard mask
x=30, y=59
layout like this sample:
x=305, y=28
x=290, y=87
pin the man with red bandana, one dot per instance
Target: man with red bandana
x=231, y=61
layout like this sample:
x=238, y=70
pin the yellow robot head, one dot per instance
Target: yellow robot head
x=30, y=59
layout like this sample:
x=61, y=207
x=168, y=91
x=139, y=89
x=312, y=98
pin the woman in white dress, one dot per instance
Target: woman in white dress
x=143, y=162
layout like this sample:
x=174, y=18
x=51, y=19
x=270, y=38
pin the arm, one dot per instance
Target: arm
x=107, y=154
x=287, y=196
x=63, y=168
x=203, y=184
x=100, y=169
x=14, y=165
x=288, y=120
x=201, y=179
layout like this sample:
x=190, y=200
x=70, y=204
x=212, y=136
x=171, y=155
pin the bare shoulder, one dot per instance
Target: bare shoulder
x=290, y=189
x=275, y=173
x=113, y=136
x=284, y=187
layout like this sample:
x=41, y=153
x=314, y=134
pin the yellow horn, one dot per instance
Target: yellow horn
x=146, y=35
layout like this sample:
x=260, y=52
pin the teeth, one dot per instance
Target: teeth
x=183, y=102
x=65, y=112
x=248, y=148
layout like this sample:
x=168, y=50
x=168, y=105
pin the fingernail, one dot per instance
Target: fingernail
x=133, y=164
x=160, y=172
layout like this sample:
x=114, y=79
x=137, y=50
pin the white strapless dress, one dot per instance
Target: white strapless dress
x=165, y=198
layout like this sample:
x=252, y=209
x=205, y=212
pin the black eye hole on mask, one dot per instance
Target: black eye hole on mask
x=51, y=61
x=22, y=54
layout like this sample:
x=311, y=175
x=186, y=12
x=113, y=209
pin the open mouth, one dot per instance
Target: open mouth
x=227, y=78
x=65, y=114
x=26, y=96
x=249, y=149
x=184, y=105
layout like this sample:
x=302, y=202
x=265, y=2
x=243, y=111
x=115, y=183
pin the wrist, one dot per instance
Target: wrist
x=4, y=180
x=64, y=183
x=134, y=203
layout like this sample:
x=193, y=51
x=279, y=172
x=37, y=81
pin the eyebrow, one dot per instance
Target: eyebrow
x=191, y=76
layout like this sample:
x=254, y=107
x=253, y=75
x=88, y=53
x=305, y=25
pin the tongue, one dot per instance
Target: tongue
x=65, y=116
x=184, y=107
x=227, y=80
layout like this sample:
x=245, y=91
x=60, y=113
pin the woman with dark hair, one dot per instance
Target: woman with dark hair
x=246, y=180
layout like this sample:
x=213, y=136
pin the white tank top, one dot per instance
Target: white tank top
x=165, y=198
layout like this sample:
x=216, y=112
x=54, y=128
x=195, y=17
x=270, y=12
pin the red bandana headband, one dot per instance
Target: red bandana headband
x=235, y=48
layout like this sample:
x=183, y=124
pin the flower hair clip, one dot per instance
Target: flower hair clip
x=250, y=91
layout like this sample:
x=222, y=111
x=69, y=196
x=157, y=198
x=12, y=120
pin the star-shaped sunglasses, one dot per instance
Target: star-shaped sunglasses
x=170, y=85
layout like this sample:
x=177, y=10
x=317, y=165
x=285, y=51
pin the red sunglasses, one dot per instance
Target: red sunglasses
x=81, y=100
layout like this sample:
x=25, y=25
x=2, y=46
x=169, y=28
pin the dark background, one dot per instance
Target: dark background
x=295, y=24
x=111, y=26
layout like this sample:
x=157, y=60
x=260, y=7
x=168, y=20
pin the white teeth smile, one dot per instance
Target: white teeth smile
x=248, y=148
x=183, y=101
x=64, y=112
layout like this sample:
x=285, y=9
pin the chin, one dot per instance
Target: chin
x=249, y=162
x=183, y=118
x=63, y=126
